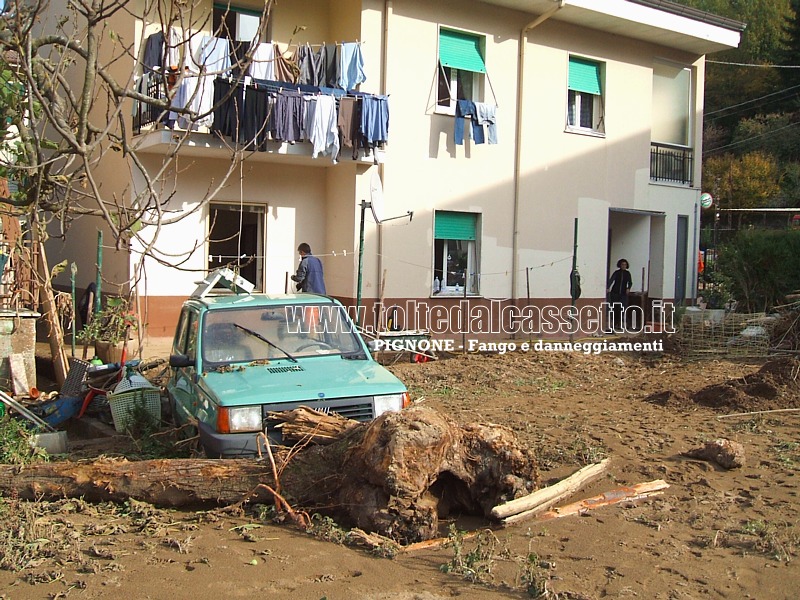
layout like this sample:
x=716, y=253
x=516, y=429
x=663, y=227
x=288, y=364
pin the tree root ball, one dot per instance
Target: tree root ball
x=413, y=467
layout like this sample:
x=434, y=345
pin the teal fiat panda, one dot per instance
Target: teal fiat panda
x=238, y=357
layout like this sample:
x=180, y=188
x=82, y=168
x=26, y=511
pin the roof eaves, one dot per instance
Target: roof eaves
x=693, y=13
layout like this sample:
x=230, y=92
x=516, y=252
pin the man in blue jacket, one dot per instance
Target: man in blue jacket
x=309, y=272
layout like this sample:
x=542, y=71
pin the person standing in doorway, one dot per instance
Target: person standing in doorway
x=309, y=275
x=619, y=285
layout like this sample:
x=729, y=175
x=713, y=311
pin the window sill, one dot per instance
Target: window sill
x=454, y=295
x=584, y=131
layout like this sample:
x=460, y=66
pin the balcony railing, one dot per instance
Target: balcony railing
x=147, y=114
x=673, y=164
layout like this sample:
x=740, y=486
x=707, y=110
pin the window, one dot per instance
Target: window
x=455, y=262
x=585, y=96
x=186, y=334
x=461, y=71
x=672, y=88
x=671, y=152
x=236, y=240
x=236, y=23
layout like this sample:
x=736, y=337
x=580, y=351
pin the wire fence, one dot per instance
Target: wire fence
x=717, y=333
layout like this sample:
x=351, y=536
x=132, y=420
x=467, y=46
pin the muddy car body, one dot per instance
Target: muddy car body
x=235, y=358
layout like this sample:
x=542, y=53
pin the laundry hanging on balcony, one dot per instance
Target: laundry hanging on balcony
x=255, y=112
x=239, y=104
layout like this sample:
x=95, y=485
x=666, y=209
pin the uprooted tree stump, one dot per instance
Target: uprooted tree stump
x=394, y=476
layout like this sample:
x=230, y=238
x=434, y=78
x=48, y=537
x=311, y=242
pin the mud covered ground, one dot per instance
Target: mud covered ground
x=714, y=533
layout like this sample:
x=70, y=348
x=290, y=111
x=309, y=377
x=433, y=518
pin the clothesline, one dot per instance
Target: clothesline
x=352, y=253
x=310, y=45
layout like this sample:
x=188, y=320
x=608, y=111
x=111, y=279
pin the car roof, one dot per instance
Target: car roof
x=223, y=301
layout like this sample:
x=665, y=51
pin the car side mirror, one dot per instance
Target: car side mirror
x=372, y=345
x=180, y=361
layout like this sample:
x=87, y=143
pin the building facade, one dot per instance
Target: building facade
x=522, y=137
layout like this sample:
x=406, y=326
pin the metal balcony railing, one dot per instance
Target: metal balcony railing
x=674, y=164
x=147, y=114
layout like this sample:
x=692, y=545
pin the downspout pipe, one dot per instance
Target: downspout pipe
x=387, y=12
x=559, y=4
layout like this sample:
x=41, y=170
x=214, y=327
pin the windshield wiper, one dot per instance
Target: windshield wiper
x=354, y=355
x=257, y=335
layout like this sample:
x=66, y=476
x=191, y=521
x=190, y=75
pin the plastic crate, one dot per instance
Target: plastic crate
x=123, y=405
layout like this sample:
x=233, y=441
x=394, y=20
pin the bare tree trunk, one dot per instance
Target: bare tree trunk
x=395, y=476
x=55, y=333
x=173, y=482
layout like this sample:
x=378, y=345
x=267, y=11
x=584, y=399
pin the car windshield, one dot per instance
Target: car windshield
x=277, y=332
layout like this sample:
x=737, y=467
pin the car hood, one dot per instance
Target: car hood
x=307, y=380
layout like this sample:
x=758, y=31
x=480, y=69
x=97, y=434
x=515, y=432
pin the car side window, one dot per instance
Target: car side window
x=179, y=344
x=191, y=341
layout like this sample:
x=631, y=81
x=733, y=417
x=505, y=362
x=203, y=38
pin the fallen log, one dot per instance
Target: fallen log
x=544, y=498
x=622, y=494
x=169, y=482
x=395, y=476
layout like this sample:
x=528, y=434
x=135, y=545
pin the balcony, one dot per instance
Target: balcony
x=671, y=164
x=158, y=134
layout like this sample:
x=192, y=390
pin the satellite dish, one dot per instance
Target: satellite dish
x=376, y=196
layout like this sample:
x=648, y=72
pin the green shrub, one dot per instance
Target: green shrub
x=760, y=267
x=15, y=444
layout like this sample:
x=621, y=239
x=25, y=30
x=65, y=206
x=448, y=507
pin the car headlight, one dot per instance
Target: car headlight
x=235, y=420
x=390, y=402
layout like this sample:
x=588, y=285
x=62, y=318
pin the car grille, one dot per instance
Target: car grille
x=285, y=369
x=358, y=409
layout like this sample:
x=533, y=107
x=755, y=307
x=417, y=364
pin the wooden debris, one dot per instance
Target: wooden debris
x=307, y=424
x=165, y=482
x=758, y=412
x=726, y=453
x=436, y=542
x=622, y=494
x=544, y=498
x=374, y=541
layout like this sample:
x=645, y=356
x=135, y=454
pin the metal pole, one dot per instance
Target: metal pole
x=364, y=206
x=73, y=271
x=574, y=266
x=463, y=325
x=99, y=278
x=528, y=289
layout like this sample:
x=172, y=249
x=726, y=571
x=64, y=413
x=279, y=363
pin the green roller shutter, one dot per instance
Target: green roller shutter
x=584, y=76
x=454, y=225
x=460, y=50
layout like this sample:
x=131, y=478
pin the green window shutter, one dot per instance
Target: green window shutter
x=584, y=76
x=460, y=50
x=235, y=9
x=454, y=225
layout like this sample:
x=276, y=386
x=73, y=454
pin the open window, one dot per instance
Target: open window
x=236, y=23
x=455, y=263
x=236, y=240
x=462, y=70
x=585, y=96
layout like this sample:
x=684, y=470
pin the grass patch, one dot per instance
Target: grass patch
x=16, y=447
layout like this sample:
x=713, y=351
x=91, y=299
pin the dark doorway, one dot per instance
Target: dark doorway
x=236, y=240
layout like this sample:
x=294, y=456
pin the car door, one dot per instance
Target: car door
x=182, y=386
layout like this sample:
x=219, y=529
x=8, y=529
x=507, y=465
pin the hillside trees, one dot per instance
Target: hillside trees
x=746, y=181
x=751, y=104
